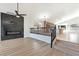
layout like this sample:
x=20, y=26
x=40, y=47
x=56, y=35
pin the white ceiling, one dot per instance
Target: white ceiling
x=7, y=7
x=54, y=11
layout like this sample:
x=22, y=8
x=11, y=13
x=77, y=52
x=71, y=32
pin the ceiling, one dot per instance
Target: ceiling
x=56, y=12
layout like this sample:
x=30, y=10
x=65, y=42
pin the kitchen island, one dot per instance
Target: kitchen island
x=41, y=34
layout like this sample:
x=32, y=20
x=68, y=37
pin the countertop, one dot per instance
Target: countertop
x=40, y=31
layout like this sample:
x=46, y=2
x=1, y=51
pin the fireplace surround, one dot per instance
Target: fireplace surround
x=11, y=26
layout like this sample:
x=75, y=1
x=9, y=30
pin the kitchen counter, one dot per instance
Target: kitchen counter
x=44, y=34
x=40, y=31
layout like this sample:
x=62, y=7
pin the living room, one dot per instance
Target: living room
x=38, y=27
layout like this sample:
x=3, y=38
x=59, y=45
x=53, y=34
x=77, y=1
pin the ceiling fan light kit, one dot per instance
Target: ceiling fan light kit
x=17, y=16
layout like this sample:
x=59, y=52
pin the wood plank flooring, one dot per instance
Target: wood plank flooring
x=27, y=47
x=69, y=48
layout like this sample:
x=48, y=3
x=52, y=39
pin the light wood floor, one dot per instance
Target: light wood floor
x=27, y=47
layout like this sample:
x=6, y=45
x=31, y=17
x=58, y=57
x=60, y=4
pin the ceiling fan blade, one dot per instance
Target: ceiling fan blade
x=16, y=12
x=23, y=14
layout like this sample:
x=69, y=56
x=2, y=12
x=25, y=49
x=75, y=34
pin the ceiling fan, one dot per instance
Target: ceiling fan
x=17, y=12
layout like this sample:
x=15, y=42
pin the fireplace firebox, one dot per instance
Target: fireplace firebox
x=13, y=33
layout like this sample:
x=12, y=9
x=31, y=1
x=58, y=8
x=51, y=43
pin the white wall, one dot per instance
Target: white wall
x=27, y=25
x=0, y=27
x=29, y=19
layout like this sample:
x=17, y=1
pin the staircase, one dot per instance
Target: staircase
x=69, y=48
